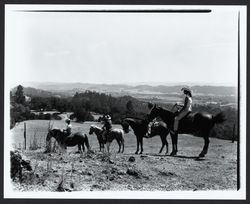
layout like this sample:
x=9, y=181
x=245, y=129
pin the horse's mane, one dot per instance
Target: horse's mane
x=134, y=118
x=165, y=110
x=95, y=126
x=55, y=129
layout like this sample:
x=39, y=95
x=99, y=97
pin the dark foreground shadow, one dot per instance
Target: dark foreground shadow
x=179, y=156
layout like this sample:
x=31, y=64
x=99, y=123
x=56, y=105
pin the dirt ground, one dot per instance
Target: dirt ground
x=97, y=171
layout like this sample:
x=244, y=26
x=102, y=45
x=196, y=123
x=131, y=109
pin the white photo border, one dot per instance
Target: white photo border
x=194, y=195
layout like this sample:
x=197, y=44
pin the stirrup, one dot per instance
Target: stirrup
x=173, y=132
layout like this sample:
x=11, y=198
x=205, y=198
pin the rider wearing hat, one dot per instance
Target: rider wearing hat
x=186, y=108
x=106, y=127
x=68, y=130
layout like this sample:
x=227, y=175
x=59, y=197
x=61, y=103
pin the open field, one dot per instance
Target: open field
x=150, y=171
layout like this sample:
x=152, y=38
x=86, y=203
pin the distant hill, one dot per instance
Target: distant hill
x=121, y=89
x=29, y=91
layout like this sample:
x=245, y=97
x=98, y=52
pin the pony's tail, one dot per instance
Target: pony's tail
x=219, y=118
x=87, y=142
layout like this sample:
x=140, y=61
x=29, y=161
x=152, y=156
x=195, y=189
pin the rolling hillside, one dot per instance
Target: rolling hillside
x=149, y=172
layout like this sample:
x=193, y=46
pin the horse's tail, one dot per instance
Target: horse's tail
x=219, y=118
x=87, y=141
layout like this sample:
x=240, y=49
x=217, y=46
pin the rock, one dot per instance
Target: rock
x=132, y=172
x=131, y=159
x=144, y=156
x=89, y=173
x=163, y=173
x=121, y=173
x=111, y=178
x=105, y=171
x=26, y=165
x=111, y=162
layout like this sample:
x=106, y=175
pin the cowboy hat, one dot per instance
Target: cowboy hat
x=67, y=120
x=186, y=89
x=107, y=117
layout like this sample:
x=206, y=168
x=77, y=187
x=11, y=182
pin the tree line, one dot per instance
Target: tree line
x=82, y=104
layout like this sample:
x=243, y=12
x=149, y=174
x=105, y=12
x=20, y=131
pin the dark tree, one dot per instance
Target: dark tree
x=20, y=98
x=130, y=106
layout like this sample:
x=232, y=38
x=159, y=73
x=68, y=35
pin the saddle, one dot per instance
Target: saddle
x=158, y=123
x=189, y=115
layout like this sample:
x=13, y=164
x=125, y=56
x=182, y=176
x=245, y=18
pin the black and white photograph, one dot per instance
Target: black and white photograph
x=125, y=101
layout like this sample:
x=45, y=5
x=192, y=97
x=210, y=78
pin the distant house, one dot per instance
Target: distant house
x=96, y=116
x=27, y=98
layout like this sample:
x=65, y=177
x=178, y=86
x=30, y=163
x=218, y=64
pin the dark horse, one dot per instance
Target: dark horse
x=140, y=128
x=193, y=123
x=74, y=139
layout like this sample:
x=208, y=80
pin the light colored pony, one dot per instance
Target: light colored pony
x=113, y=134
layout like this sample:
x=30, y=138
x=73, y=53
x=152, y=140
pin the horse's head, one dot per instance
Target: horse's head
x=91, y=130
x=53, y=133
x=125, y=126
x=94, y=129
x=50, y=134
x=153, y=113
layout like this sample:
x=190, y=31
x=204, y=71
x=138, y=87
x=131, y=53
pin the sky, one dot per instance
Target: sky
x=122, y=47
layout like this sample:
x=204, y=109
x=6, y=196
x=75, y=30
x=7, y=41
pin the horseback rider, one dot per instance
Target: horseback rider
x=106, y=127
x=68, y=130
x=186, y=108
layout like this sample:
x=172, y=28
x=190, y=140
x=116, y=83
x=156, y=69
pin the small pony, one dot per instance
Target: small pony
x=72, y=140
x=116, y=133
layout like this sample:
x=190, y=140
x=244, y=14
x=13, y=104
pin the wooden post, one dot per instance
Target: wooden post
x=24, y=134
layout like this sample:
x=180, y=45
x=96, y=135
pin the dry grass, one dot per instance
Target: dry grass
x=96, y=171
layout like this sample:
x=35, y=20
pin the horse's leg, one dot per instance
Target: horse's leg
x=108, y=145
x=166, y=142
x=206, y=143
x=79, y=148
x=173, y=144
x=122, y=142
x=162, y=143
x=137, y=140
x=166, y=146
x=83, y=148
x=118, y=142
x=141, y=141
x=100, y=146
x=176, y=142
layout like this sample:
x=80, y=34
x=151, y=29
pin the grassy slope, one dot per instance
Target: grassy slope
x=155, y=172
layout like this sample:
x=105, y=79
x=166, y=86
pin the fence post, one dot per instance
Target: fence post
x=24, y=134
